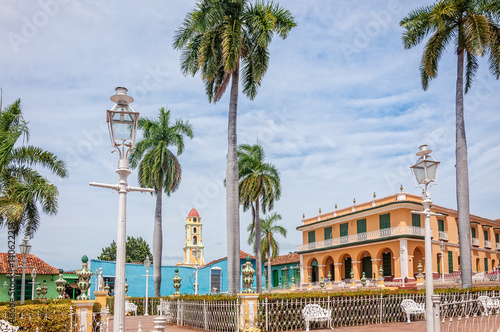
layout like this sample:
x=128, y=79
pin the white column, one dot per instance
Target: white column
x=301, y=270
x=403, y=253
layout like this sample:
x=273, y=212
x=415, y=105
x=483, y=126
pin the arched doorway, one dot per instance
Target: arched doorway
x=330, y=272
x=347, y=268
x=314, y=271
x=276, y=278
x=366, y=265
x=418, y=258
x=387, y=264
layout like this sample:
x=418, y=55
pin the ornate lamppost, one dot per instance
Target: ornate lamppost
x=196, y=254
x=24, y=248
x=147, y=264
x=425, y=171
x=122, y=124
x=33, y=276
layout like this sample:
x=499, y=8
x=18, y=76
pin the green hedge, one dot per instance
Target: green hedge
x=51, y=316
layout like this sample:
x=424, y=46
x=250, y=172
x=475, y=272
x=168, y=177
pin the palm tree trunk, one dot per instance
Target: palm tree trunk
x=258, y=249
x=462, y=179
x=269, y=283
x=232, y=198
x=157, y=244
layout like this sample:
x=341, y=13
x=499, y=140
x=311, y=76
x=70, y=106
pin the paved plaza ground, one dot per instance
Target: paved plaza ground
x=147, y=325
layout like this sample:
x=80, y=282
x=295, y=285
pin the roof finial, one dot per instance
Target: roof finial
x=374, y=195
x=303, y=216
x=354, y=201
x=319, y=210
x=401, y=188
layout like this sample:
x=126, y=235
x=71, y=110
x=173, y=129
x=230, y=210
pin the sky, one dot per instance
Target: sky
x=341, y=114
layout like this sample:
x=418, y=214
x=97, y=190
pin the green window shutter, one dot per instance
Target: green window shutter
x=486, y=235
x=415, y=220
x=496, y=238
x=385, y=221
x=328, y=233
x=344, y=229
x=485, y=264
x=450, y=262
x=361, y=226
x=473, y=230
x=441, y=225
x=311, y=236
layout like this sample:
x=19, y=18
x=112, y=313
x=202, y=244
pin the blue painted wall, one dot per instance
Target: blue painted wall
x=136, y=277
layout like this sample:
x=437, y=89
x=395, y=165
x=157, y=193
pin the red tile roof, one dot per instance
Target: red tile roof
x=286, y=259
x=193, y=213
x=31, y=261
x=243, y=255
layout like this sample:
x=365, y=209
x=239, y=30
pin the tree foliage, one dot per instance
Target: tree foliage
x=23, y=189
x=135, y=252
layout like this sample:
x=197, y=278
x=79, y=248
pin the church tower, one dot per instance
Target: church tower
x=193, y=239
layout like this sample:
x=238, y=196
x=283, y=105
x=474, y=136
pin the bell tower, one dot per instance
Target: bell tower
x=193, y=230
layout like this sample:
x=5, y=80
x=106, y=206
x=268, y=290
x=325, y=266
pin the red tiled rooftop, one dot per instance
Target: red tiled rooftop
x=285, y=259
x=31, y=261
x=193, y=213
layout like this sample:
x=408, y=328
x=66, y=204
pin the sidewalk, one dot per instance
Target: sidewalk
x=147, y=325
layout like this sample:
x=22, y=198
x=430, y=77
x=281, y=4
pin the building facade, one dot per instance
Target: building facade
x=384, y=232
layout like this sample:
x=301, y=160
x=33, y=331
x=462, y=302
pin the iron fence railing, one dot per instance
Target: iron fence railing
x=207, y=315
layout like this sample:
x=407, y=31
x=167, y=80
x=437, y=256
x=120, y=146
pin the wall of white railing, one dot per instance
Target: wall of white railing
x=475, y=242
x=373, y=235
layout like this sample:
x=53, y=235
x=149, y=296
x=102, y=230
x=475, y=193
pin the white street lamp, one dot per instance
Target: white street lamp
x=24, y=248
x=442, y=247
x=122, y=123
x=196, y=254
x=147, y=264
x=425, y=171
x=33, y=276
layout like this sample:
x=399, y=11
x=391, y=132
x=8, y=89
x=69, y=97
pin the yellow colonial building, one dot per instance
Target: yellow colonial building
x=385, y=232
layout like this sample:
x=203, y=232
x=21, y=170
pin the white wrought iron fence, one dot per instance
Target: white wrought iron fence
x=286, y=314
x=463, y=312
x=207, y=315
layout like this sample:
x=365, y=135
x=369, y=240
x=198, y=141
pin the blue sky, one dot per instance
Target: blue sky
x=341, y=113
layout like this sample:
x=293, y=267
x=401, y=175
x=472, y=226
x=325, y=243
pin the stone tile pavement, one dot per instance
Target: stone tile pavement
x=147, y=325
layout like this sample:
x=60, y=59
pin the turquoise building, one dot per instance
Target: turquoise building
x=285, y=269
x=212, y=277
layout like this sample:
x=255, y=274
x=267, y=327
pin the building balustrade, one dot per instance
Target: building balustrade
x=475, y=242
x=487, y=244
x=497, y=246
x=361, y=237
x=443, y=236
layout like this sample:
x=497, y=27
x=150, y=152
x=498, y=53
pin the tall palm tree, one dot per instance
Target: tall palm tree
x=472, y=26
x=160, y=169
x=22, y=188
x=219, y=38
x=270, y=248
x=259, y=187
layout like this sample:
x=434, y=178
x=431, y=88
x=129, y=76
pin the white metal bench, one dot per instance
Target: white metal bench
x=131, y=307
x=411, y=307
x=488, y=304
x=164, y=309
x=5, y=326
x=314, y=313
x=478, y=277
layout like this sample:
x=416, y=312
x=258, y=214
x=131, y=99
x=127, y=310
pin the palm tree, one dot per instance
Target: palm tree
x=160, y=169
x=472, y=26
x=259, y=187
x=22, y=188
x=219, y=38
x=270, y=248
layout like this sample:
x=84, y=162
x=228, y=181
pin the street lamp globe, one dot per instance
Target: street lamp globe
x=425, y=169
x=25, y=247
x=122, y=122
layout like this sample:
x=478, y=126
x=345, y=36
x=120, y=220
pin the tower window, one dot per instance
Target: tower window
x=194, y=229
x=194, y=219
x=195, y=240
